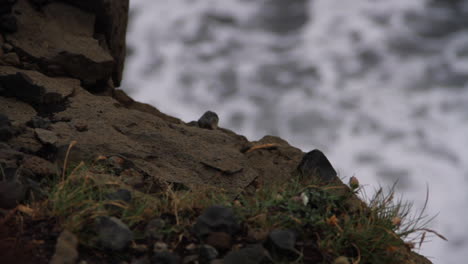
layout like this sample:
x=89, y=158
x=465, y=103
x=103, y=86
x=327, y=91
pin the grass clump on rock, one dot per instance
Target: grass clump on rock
x=302, y=220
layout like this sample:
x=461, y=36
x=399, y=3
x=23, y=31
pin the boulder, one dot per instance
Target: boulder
x=113, y=233
x=111, y=21
x=216, y=219
x=60, y=38
x=35, y=88
x=66, y=249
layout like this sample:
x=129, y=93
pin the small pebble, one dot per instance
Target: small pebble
x=38, y=122
x=207, y=253
x=81, y=125
x=46, y=136
x=160, y=247
x=209, y=120
x=113, y=233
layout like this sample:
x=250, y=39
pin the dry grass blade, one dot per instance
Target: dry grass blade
x=70, y=146
x=263, y=146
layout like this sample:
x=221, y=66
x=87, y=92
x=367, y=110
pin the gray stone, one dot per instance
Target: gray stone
x=216, y=219
x=66, y=249
x=113, y=233
x=316, y=164
x=11, y=58
x=62, y=35
x=46, y=136
x=121, y=195
x=7, y=47
x=280, y=244
x=17, y=111
x=250, y=255
x=111, y=21
x=39, y=166
x=208, y=120
x=39, y=122
x=207, y=253
x=34, y=87
x=282, y=239
x=153, y=229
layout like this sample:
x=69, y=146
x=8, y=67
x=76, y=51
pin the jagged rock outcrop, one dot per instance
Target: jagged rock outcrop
x=58, y=39
x=162, y=149
x=111, y=21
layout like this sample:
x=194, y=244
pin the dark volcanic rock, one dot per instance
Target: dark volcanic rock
x=11, y=192
x=121, y=195
x=159, y=148
x=39, y=166
x=207, y=253
x=39, y=122
x=255, y=254
x=18, y=112
x=44, y=37
x=66, y=249
x=282, y=239
x=111, y=21
x=46, y=136
x=113, y=234
x=10, y=58
x=36, y=88
x=208, y=120
x=6, y=47
x=315, y=163
x=216, y=219
x=281, y=243
x=153, y=229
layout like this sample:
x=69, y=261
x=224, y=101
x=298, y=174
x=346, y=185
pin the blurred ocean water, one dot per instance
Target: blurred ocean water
x=380, y=86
